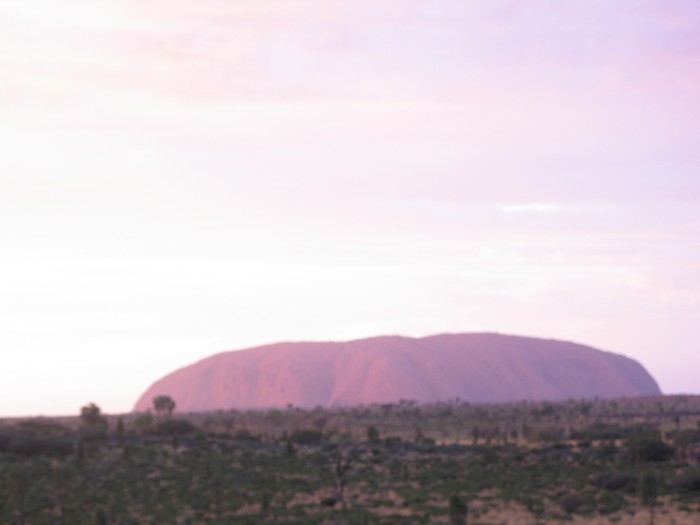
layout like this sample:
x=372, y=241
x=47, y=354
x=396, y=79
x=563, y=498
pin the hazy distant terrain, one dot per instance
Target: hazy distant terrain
x=480, y=367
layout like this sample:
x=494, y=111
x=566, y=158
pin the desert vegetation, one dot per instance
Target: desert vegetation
x=603, y=461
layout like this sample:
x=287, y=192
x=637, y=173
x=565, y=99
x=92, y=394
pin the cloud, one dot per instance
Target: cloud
x=533, y=207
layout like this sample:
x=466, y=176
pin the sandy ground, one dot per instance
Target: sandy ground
x=498, y=512
x=513, y=514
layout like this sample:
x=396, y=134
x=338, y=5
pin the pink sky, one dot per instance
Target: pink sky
x=181, y=178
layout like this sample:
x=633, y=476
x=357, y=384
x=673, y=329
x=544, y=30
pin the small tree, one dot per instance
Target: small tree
x=164, y=405
x=372, y=433
x=119, y=429
x=458, y=510
x=290, y=450
x=91, y=416
x=93, y=422
x=648, y=492
x=343, y=459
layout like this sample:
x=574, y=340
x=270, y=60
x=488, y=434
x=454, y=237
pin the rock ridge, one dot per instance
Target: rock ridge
x=474, y=367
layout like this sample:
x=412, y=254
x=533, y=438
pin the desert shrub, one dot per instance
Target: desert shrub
x=684, y=438
x=329, y=501
x=93, y=435
x=599, y=431
x=534, y=504
x=40, y=446
x=5, y=440
x=99, y=517
x=570, y=502
x=614, y=481
x=609, y=502
x=171, y=427
x=458, y=510
x=42, y=428
x=36, y=440
x=548, y=434
x=372, y=433
x=245, y=435
x=649, y=449
x=489, y=455
x=359, y=516
x=687, y=480
x=392, y=441
x=290, y=451
x=308, y=436
x=640, y=429
x=143, y=424
x=604, y=452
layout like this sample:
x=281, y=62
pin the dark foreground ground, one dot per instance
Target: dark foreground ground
x=620, y=461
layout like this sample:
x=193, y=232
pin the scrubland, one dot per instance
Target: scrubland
x=622, y=461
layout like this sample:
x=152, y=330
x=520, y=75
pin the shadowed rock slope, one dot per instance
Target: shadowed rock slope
x=472, y=367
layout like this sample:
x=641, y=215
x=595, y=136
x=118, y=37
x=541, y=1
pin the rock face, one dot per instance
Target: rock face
x=476, y=367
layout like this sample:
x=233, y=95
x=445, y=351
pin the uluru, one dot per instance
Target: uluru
x=474, y=367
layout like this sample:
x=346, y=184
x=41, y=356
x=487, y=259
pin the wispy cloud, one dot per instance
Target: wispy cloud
x=534, y=207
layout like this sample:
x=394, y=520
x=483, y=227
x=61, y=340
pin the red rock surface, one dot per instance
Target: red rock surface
x=472, y=367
